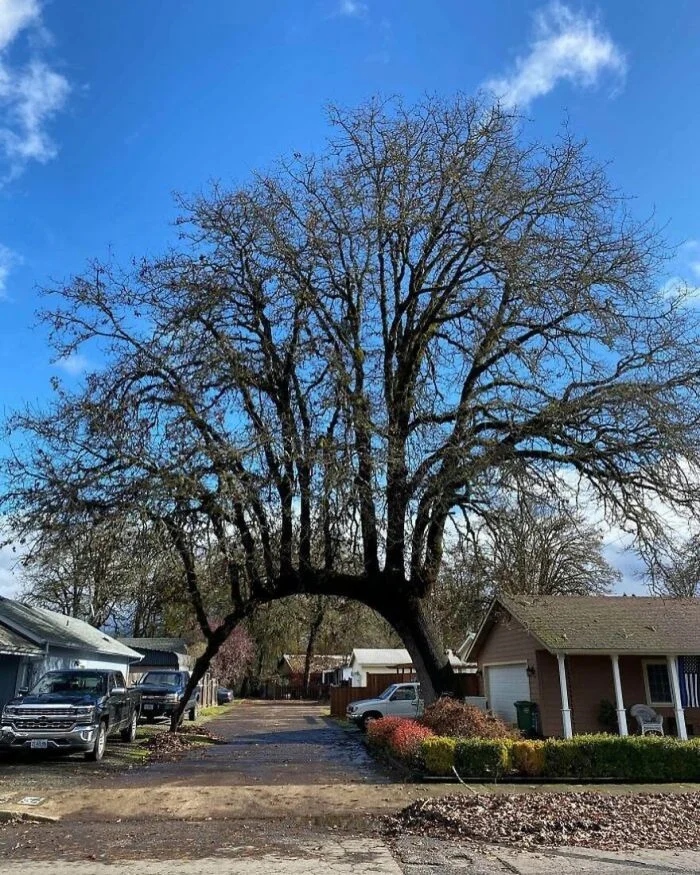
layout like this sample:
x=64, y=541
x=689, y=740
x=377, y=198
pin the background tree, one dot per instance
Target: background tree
x=361, y=347
x=234, y=658
x=678, y=575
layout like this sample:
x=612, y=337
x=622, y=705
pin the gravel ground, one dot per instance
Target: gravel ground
x=587, y=820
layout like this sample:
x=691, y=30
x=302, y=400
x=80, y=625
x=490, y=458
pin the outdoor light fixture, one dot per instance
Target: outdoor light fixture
x=530, y=670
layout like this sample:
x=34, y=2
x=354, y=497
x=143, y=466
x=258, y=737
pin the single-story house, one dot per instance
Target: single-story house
x=35, y=640
x=326, y=668
x=569, y=653
x=159, y=653
x=391, y=660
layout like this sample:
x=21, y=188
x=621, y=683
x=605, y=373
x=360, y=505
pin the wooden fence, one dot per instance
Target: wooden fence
x=465, y=685
x=208, y=687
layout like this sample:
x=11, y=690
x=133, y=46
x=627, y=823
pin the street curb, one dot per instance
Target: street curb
x=7, y=815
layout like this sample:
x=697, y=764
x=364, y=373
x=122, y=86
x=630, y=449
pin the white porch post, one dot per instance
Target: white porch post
x=676, y=695
x=619, y=704
x=565, y=710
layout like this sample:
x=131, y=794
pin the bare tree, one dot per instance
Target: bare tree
x=678, y=575
x=361, y=347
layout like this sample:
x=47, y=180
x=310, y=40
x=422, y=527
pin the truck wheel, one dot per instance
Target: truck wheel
x=98, y=748
x=129, y=734
x=193, y=713
x=371, y=715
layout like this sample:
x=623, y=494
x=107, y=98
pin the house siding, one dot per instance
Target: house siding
x=508, y=643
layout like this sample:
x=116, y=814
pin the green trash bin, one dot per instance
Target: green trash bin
x=528, y=717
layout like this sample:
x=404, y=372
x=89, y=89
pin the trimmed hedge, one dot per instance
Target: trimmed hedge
x=400, y=737
x=482, y=757
x=439, y=755
x=584, y=757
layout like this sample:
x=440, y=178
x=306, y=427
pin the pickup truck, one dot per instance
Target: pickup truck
x=71, y=710
x=162, y=692
x=397, y=700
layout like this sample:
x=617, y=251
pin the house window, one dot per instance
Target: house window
x=657, y=683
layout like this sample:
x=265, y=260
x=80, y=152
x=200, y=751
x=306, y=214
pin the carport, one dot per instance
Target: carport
x=15, y=652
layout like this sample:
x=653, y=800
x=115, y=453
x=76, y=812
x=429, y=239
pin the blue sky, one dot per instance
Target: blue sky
x=108, y=107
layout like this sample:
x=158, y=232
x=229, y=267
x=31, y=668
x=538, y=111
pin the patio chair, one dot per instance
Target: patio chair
x=648, y=720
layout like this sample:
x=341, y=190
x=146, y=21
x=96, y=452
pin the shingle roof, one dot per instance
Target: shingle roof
x=48, y=627
x=319, y=662
x=13, y=643
x=170, y=645
x=604, y=624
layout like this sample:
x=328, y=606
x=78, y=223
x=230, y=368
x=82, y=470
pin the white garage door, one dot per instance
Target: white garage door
x=507, y=684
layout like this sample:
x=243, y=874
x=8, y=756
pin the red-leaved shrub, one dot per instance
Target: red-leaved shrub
x=398, y=736
x=454, y=719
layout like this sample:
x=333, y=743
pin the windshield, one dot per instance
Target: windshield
x=388, y=691
x=70, y=682
x=164, y=678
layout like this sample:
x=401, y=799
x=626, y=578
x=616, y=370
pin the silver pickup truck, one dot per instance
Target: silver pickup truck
x=398, y=700
x=71, y=710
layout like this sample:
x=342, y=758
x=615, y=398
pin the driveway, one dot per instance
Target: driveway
x=270, y=743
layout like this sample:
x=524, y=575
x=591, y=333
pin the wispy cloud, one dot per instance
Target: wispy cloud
x=351, y=8
x=30, y=94
x=8, y=260
x=566, y=46
x=74, y=364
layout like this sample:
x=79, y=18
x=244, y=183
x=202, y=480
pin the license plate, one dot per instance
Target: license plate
x=40, y=743
x=148, y=707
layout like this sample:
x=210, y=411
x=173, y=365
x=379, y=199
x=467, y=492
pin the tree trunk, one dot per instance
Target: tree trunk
x=407, y=615
x=316, y=622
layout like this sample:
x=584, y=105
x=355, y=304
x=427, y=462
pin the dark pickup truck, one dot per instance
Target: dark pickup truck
x=72, y=710
x=162, y=692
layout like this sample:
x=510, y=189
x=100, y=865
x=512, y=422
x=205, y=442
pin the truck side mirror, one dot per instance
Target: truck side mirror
x=23, y=691
x=118, y=691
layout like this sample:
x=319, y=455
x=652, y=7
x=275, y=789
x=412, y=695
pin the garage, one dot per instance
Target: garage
x=507, y=684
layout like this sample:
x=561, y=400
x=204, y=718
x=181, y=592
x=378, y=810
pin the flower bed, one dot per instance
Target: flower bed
x=584, y=757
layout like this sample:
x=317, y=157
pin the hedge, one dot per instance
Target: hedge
x=584, y=757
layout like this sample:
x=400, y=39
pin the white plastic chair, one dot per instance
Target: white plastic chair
x=649, y=721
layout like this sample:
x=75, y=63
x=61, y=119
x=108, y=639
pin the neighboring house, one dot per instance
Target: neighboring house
x=34, y=641
x=568, y=653
x=159, y=653
x=388, y=660
x=325, y=668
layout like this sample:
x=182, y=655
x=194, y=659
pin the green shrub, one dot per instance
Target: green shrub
x=482, y=757
x=438, y=755
x=631, y=758
x=527, y=758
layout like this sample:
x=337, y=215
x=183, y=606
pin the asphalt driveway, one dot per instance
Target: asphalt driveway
x=271, y=743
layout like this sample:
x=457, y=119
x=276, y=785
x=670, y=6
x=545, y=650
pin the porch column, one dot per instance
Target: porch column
x=565, y=710
x=619, y=704
x=676, y=696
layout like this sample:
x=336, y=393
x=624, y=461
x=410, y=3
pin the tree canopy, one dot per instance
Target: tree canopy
x=361, y=350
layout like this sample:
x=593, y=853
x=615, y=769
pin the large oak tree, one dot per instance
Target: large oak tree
x=354, y=353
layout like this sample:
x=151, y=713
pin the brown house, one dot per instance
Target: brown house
x=567, y=653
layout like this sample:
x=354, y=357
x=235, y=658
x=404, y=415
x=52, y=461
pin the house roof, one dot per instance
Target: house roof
x=44, y=627
x=14, y=644
x=601, y=624
x=169, y=645
x=319, y=662
x=391, y=656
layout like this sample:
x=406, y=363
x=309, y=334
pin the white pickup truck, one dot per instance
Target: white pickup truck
x=398, y=700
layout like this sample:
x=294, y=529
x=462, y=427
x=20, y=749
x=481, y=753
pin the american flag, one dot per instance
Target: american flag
x=689, y=672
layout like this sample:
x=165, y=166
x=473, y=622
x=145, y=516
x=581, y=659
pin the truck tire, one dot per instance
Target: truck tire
x=98, y=748
x=193, y=713
x=370, y=715
x=129, y=734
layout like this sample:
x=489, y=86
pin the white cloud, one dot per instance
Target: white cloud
x=8, y=259
x=9, y=584
x=351, y=8
x=74, y=364
x=566, y=46
x=30, y=95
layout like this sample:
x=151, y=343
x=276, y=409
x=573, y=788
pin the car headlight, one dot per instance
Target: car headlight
x=85, y=711
x=171, y=699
